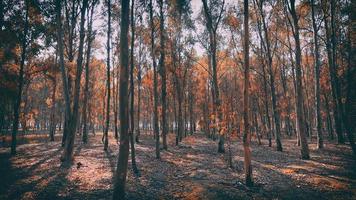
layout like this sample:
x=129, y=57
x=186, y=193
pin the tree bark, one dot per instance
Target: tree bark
x=15, y=124
x=267, y=48
x=316, y=79
x=155, y=92
x=87, y=74
x=299, y=95
x=332, y=72
x=163, y=77
x=350, y=114
x=52, y=129
x=246, y=135
x=139, y=82
x=212, y=39
x=67, y=157
x=132, y=92
x=67, y=111
x=121, y=168
x=107, y=121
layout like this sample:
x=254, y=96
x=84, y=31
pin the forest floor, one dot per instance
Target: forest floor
x=192, y=170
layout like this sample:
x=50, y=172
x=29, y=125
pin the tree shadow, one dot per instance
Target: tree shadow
x=111, y=158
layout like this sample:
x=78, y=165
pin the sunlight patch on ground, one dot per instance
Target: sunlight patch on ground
x=328, y=182
x=320, y=164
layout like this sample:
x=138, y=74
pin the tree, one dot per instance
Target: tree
x=267, y=48
x=107, y=121
x=299, y=90
x=132, y=91
x=53, y=78
x=62, y=67
x=351, y=72
x=155, y=92
x=316, y=78
x=331, y=55
x=121, y=168
x=87, y=74
x=74, y=113
x=212, y=24
x=163, y=76
x=246, y=135
x=17, y=103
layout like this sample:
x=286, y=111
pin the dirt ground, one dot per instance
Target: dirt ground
x=192, y=170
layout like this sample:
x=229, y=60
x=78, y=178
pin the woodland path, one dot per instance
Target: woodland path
x=192, y=170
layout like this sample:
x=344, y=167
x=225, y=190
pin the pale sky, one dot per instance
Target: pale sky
x=101, y=39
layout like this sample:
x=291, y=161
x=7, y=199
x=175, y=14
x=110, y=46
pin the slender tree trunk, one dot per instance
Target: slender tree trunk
x=350, y=114
x=290, y=52
x=155, y=92
x=107, y=122
x=246, y=135
x=72, y=124
x=67, y=111
x=15, y=124
x=52, y=129
x=138, y=105
x=267, y=117
x=316, y=79
x=180, y=114
x=132, y=92
x=87, y=74
x=121, y=168
x=332, y=73
x=116, y=106
x=191, y=114
x=256, y=121
x=275, y=115
x=306, y=108
x=213, y=43
x=175, y=124
x=328, y=117
x=299, y=99
x=163, y=77
x=286, y=94
x=335, y=82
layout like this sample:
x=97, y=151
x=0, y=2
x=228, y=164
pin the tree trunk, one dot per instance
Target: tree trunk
x=121, y=168
x=116, y=106
x=139, y=81
x=132, y=92
x=330, y=42
x=86, y=87
x=328, y=117
x=52, y=129
x=350, y=114
x=155, y=92
x=107, y=122
x=286, y=94
x=246, y=135
x=275, y=115
x=15, y=124
x=163, y=77
x=212, y=41
x=72, y=123
x=67, y=111
x=265, y=90
x=316, y=79
x=299, y=95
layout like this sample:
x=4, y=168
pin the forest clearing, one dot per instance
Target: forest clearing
x=177, y=99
